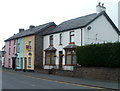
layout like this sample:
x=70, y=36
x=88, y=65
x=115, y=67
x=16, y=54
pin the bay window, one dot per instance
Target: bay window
x=70, y=58
x=50, y=58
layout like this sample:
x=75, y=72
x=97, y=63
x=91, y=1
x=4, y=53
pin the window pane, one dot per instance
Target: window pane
x=29, y=61
x=17, y=63
x=72, y=38
x=74, y=59
x=60, y=38
x=68, y=52
x=51, y=40
x=68, y=59
x=30, y=44
x=47, y=58
x=72, y=34
x=53, y=58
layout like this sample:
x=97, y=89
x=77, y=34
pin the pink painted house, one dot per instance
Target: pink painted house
x=10, y=53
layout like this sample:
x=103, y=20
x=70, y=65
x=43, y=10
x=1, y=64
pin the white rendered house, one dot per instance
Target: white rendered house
x=60, y=43
x=119, y=17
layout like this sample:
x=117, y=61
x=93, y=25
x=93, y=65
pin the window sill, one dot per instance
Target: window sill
x=72, y=43
x=50, y=64
x=60, y=44
x=70, y=64
x=29, y=66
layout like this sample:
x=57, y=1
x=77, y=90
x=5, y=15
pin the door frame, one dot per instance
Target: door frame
x=60, y=60
x=13, y=62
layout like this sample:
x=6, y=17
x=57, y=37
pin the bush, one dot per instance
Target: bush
x=99, y=55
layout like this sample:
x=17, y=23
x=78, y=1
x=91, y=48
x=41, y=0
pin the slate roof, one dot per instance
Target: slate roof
x=80, y=22
x=70, y=46
x=34, y=30
x=50, y=48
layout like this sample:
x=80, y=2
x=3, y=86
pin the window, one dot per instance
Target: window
x=72, y=36
x=30, y=44
x=14, y=50
x=21, y=62
x=18, y=47
x=51, y=40
x=10, y=43
x=17, y=64
x=60, y=39
x=50, y=58
x=14, y=42
x=29, y=61
x=70, y=57
x=9, y=50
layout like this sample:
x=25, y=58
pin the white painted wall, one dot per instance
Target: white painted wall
x=119, y=15
x=100, y=26
x=65, y=42
x=101, y=31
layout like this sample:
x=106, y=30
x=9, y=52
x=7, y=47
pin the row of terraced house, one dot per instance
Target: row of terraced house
x=50, y=46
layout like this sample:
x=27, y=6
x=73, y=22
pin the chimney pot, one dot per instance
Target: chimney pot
x=103, y=4
x=100, y=8
x=99, y=4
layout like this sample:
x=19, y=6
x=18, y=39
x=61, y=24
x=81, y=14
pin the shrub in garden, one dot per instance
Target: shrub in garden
x=99, y=55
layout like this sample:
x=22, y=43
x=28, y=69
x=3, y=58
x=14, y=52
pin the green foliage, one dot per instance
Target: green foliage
x=99, y=55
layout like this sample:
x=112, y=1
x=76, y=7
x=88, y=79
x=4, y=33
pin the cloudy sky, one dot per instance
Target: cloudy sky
x=15, y=14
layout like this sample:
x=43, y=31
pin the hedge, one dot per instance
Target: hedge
x=99, y=55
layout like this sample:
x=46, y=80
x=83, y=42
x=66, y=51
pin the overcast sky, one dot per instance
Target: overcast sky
x=15, y=14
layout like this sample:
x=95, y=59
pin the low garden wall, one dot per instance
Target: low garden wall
x=99, y=73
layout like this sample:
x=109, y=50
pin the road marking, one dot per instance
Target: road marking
x=75, y=84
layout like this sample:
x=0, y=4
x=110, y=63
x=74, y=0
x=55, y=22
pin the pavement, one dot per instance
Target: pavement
x=78, y=81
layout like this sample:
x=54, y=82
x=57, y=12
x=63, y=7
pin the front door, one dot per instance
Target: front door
x=60, y=59
x=13, y=62
x=25, y=63
x=21, y=63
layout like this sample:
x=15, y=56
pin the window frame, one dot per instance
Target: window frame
x=30, y=45
x=71, y=36
x=9, y=50
x=72, y=55
x=18, y=62
x=14, y=42
x=60, y=38
x=13, y=50
x=52, y=54
x=51, y=40
x=29, y=61
x=10, y=43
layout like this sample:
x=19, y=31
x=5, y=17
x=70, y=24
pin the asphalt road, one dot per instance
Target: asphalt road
x=17, y=80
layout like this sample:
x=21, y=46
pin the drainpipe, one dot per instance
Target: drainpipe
x=81, y=36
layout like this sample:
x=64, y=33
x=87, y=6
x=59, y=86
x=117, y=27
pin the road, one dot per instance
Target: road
x=18, y=80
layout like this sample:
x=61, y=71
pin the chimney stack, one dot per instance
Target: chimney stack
x=100, y=8
x=119, y=15
x=21, y=30
x=31, y=27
